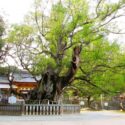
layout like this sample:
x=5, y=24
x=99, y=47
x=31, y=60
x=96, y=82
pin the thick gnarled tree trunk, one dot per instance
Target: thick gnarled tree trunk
x=51, y=85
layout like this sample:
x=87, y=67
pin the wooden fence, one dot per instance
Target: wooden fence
x=38, y=109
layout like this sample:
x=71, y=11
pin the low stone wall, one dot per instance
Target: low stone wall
x=8, y=109
x=38, y=109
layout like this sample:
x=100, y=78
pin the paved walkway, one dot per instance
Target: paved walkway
x=85, y=118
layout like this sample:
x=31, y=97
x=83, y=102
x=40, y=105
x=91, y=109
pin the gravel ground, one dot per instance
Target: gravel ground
x=85, y=118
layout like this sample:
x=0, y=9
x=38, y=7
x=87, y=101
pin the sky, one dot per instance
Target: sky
x=14, y=10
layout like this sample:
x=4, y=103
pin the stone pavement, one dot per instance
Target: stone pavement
x=86, y=118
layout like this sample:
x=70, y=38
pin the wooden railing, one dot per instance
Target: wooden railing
x=51, y=109
x=41, y=109
x=38, y=109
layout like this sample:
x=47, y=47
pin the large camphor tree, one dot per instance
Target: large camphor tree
x=51, y=43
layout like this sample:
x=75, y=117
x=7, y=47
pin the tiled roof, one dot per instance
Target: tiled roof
x=3, y=79
x=18, y=77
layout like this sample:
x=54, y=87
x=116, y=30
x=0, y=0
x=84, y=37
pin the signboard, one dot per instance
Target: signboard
x=12, y=99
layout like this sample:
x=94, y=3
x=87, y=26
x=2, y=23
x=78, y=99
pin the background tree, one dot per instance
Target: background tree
x=99, y=72
x=4, y=47
x=1, y=34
